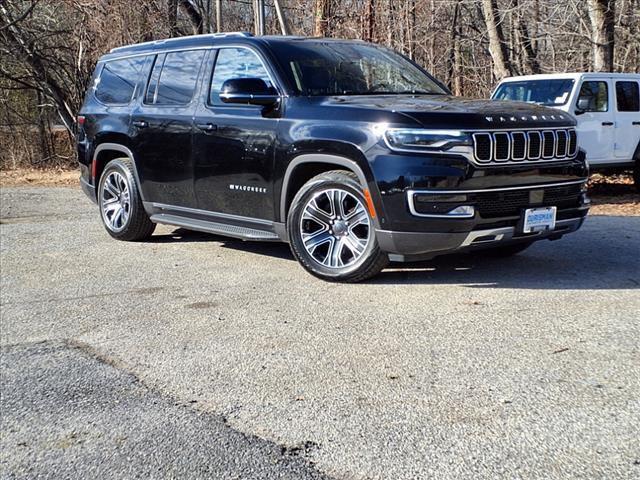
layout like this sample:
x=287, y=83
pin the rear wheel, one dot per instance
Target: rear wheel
x=331, y=231
x=120, y=204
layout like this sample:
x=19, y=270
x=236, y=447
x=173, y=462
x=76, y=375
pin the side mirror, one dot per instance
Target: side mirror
x=583, y=105
x=248, y=91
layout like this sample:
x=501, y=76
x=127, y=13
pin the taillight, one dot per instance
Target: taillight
x=80, y=120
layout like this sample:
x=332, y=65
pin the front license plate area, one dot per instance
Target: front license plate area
x=539, y=219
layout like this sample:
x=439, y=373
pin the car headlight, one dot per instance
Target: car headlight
x=427, y=140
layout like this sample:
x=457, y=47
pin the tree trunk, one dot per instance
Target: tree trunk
x=601, y=14
x=195, y=17
x=172, y=17
x=322, y=15
x=497, y=44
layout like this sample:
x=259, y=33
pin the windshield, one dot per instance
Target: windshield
x=544, y=92
x=349, y=68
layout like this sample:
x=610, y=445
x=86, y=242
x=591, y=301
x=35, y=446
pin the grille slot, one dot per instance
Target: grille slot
x=535, y=145
x=511, y=203
x=548, y=144
x=572, y=148
x=531, y=145
x=561, y=144
x=483, y=147
x=503, y=146
x=518, y=146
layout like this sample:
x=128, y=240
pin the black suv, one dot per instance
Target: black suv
x=350, y=152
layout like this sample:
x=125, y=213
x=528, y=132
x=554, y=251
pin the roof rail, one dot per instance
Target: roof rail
x=160, y=42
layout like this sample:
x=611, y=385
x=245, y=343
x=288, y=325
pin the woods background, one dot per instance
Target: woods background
x=48, y=48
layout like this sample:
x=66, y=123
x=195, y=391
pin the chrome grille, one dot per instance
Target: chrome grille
x=524, y=146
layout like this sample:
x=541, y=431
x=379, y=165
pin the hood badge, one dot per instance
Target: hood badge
x=525, y=118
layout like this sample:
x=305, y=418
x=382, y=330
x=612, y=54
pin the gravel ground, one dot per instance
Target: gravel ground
x=461, y=367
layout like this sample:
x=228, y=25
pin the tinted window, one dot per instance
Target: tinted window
x=545, y=92
x=174, y=77
x=118, y=80
x=627, y=96
x=350, y=68
x=597, y=94
x=236, y=63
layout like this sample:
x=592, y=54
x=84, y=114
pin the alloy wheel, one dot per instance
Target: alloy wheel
x=335, y=228
x=115, y=201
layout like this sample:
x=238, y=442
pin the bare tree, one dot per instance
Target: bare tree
x=497, y=43
x=602, y=16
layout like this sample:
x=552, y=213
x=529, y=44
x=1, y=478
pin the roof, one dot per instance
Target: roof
x=572, y=75
x=210, y=40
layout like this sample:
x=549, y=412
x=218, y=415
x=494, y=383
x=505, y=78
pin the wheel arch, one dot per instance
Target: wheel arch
x=306, y=166
x=104, y=153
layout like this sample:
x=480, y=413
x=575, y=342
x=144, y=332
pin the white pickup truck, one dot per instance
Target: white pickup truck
x=606, y=106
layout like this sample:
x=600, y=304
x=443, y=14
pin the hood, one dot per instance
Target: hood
x=444, y=111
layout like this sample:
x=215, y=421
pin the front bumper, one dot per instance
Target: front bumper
x=409, y=246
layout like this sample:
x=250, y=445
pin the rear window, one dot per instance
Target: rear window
x=174, y=78
x=118, y=80
x=627, y=96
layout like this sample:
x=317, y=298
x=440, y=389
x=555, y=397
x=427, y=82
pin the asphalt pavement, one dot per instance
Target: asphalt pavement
x=192, y=355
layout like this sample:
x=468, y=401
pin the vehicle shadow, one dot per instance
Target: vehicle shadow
x=604, y=254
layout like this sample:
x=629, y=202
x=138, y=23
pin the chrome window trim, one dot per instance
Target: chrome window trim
x=513, y=142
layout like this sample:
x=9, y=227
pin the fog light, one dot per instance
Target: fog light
x=462, y=211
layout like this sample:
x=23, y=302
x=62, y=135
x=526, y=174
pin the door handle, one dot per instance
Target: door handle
x=607, y=124
x=207, y=127
x=140, y=124
x=635, y=123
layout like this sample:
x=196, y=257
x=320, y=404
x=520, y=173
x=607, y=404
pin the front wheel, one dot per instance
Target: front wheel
x=331, y=232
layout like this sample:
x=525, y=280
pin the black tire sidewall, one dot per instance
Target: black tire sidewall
x=329, y=180
x=120, y=165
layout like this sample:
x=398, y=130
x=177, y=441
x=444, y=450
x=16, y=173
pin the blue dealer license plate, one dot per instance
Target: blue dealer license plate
x=539, y=219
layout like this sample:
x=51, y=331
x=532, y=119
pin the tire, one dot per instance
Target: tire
x=340, y=241
x=506, y=250
x=120, y=204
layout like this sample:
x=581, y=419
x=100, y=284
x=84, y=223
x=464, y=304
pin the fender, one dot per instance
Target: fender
x=116, y=147
x=317, y=158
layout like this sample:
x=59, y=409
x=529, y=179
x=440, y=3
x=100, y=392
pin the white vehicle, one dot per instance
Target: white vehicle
x=606, y=106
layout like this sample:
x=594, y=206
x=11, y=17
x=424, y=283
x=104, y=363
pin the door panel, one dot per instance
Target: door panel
x=596, y=126
x=627, y=133
x=161, y=129
x=233, y=145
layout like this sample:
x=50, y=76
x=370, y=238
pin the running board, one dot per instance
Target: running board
x=244, y=233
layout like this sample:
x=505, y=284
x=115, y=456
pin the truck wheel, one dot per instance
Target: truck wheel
x=120, y=204
x=506, y=250
x=331, y=231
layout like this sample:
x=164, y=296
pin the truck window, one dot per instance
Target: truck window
x=118, y=80
x=554, y=92
x=597, y=95
x=236, y=63
x=176, y=75
x=628, y=96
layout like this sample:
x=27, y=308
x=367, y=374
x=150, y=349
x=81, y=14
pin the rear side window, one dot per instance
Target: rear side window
x=236, y=63
x=597, y=94
x=118, y=80
x=174, y=78
x=628, y=96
